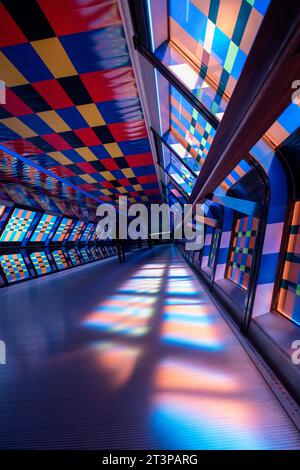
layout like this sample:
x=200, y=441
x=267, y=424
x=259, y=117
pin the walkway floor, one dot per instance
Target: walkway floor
x=129, y=356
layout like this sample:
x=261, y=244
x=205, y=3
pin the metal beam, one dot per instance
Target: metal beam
x=262, y=93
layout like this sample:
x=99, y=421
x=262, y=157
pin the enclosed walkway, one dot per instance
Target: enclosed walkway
x=130, y=356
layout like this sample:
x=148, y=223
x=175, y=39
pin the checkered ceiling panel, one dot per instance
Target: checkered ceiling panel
x=72, y=104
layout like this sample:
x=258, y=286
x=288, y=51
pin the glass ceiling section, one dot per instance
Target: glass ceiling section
x=208, y=45
x=191, y=130
x=182, y=152
x=174, y=196
x=178, y=172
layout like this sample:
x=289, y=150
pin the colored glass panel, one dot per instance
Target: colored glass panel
x=43, y=228
x=238, y=172
x=189, y=127
x=285, y=125
x=87, y=233
x=17, y=226
x=60, y=259
x=85, y=255
x=289, y=293
x=178, y=171
x=40, y=262
x=182, y=150
x=94, y=236
x=241, y=251
x=14, y=267
x=77, y=231
x=209, y=45
x=213, y=249
x=176, y=196
x=95, y=253
x=74, y=257
x=62, y=230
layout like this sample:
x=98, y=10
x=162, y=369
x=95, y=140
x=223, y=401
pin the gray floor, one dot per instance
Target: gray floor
x=133, y=356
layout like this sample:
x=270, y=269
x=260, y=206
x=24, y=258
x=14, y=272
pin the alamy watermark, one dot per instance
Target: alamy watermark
x=140, y=221
x=296, y=352
x=2, y=352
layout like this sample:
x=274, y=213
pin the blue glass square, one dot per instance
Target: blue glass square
x=238, y=64
x=262, y=5
x=220, y=46
x=290, y=118
x=190, y=18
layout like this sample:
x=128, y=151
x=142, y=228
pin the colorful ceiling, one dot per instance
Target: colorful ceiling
x=72, y=105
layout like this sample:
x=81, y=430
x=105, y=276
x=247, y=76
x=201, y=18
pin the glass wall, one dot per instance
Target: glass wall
x=241, y=250
x=289, y=292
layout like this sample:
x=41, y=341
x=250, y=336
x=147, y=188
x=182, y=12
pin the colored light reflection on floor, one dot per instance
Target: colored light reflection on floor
x=142, y=286
x=180, y=281
x=175, y=374
x=189, y=307
x=117, y=361
x=150, y=273
x=188, y=316
x=199, y=334
x=122, y=314
x=181, y=421
x=147, y=280
x=178, y=272
x=196, y=407
x=181, y=286
x=128, y=312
